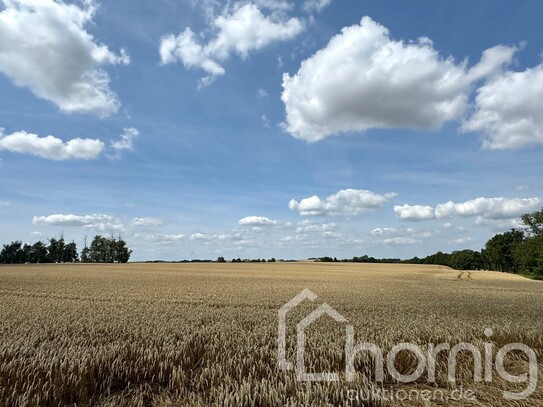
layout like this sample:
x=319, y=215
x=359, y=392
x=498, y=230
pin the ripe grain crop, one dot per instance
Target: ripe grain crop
x=206, y=334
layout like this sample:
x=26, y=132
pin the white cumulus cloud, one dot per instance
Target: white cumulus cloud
x=414, y=212
x=257, y=221
x=241, y=30
x=364, y=79
x=71, y=220
x=346, y=201
x=484, y=208
x=489, y=208
x=51, y=147
x=46, y=48
x=508, y=110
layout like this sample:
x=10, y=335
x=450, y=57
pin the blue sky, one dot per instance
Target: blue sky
x=264, y=128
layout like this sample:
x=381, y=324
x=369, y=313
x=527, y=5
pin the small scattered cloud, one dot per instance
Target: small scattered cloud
x=265, y=121
x=461, y=240
x=389, y=231
x=400, y=235
x=125, y=142
x=499, y=224
x=400, y=241
x=257, y=221
x=50, y=147
x=316, y=5
x=240, y=29
x=262, y=93
x=165, y=238
x=199, y=236
x=275, y=5
x=106, y=227
x=147, y=222
x=346, y=201
x=307, y=227
x=46, y=48
x=233, y=235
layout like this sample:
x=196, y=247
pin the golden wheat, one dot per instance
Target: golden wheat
x=206, y=334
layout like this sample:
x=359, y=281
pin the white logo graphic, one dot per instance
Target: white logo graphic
x=484, y=363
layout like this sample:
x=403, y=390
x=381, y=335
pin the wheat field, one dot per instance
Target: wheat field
x=206, y=334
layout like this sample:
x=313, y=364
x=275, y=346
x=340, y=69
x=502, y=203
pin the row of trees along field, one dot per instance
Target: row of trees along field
x=516, y=251
x=101, y=250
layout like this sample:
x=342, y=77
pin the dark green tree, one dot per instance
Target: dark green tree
x=99, y=250
x=534, y=223
x=467, y=260
x=12, y=253
x=529, y=255
x=70, y=254
x=121, y=253
x=106, y=250
x=39, y=253
x=500, y=252
x=56, y=250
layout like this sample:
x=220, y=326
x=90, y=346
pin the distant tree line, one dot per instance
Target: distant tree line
x=516, y=251
x=458, y=260
x=238, y=260
x=101, y=250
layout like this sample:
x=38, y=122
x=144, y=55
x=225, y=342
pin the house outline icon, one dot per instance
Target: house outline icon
x=322, y=310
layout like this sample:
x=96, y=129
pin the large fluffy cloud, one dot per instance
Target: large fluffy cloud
x=240, y=30
x=489, y=208
x=508, y=110
x=365, y=79
x=98, y=222
x=484, y=208
x=46, y=49
x=51, y=147
x=346, y=201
